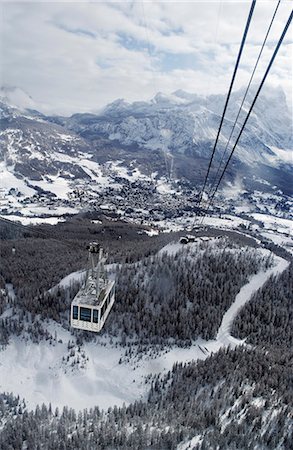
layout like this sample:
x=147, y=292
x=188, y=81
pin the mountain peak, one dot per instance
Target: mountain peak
x=117, y=106
x=17, y=98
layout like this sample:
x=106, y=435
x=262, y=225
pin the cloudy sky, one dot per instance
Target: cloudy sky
x=79, y=56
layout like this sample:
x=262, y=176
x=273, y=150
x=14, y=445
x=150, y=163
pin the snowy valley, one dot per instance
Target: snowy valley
x=197, y=349
x=151, y=157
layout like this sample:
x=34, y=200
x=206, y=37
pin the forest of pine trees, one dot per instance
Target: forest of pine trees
x=161, y=299
x=234, y=400
x=178, y=298
x=267, y=319
x=34, y=263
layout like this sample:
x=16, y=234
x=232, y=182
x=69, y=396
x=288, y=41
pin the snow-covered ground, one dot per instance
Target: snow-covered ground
x=9, y=180
x=34, y=220
x=275, y=223
x=184, y=222
x=37, y=373
x=165, y=187
x=44, y=372
x=279, y=239
x=151, y=232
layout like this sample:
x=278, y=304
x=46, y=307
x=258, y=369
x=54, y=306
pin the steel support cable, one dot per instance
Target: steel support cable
x=252, y=105
x=228, y=96
x=244, y=98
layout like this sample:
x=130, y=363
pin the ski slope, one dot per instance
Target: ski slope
x=257, y=281
x=201, y=349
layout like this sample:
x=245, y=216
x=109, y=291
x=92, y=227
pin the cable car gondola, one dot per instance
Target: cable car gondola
x=93, y=303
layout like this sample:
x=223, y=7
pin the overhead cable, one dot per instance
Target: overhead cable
x=244, y=98
x=252, y=105
x=228, y=96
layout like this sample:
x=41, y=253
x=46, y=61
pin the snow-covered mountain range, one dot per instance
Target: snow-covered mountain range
x=187, y=123
x=171, y=136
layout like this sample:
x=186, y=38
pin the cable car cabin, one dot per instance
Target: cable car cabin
x=89, y=312
x=93, y=303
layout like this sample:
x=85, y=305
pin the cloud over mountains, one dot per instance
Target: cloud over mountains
x=78, y=56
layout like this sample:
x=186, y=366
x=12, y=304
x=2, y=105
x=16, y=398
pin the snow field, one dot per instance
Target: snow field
x=36, y=372
x=9, y=180
x=183, y=223
x=34, y=220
